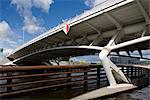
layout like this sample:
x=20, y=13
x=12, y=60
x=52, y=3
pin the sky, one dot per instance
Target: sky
x=23, y=20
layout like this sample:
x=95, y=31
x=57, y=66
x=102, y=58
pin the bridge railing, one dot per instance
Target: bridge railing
x=25, y=79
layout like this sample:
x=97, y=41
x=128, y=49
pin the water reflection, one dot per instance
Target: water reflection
x=140, y=94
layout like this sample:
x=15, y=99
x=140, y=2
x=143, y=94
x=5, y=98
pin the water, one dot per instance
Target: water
x=142, y=93
x=138, y=94
x=64, y=94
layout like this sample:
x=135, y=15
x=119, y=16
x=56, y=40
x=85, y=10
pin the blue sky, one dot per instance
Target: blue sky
x=33, y=17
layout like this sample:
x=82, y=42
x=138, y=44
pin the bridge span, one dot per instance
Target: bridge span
x=121, y=26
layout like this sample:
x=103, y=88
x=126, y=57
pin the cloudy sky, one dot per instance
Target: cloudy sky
x=30, y=18
x=33, y=17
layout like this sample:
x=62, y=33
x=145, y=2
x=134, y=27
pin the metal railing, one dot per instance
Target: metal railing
x=25, y=79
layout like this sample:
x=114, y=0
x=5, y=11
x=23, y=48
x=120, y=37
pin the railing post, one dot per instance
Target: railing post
x=141, y=72
x=85, y=79
x=131, y=72
x=69, y=80
x=135, y=72
x=138, y=72
x=9, y=81
x=98, y=76
x=122, y=68
x=127, y=71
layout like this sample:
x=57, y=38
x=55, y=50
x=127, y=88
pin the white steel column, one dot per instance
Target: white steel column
x=105, y=62
x=109, y=65
x=131, y=42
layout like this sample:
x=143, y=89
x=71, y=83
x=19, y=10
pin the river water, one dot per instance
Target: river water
x=141, y=93
x=138, y=94
x=65, y=94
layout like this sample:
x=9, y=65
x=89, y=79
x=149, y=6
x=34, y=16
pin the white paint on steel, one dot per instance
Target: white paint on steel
x=114, y=38
x=99, y=37
x=105, y=91
x=94, y=28
x=105, y=62
x=131, y=42
x=59, y=48
x=142, y=66
x=114, y=21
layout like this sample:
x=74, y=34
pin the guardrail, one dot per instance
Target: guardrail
x=22, y=79
x=25, y=79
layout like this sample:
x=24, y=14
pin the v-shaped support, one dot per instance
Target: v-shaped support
x=109, y=66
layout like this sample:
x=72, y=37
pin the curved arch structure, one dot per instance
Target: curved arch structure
x=51, y=53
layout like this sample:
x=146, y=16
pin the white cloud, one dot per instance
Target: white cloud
x=92, y=3
x=7, y=51
x=89, y=3
x=5, y=31
x=100, y=2
x=43, y=4
x=31, y=23
x=7, y=40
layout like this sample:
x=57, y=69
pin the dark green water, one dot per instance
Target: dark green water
x=65, y=94
x=142, y=93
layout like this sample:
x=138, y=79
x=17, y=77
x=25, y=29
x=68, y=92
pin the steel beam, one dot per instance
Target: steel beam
x=116, y=37
x=84, y=39
x=143, y=33
x=94, y=28
x=140, y=52
x=97, y=40
x=99, y=37
x=146, y=16
x=131, y=42
x=114, y=21
x=109, y=65
x=118, y=52
x=128, y=52
x=105, y=62
x=73, y=41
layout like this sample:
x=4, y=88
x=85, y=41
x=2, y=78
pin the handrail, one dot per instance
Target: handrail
x=26, y=68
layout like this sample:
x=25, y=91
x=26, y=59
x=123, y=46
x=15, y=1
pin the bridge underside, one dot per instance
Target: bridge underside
x=124, y=26
x=123, y=21
x=45, y=55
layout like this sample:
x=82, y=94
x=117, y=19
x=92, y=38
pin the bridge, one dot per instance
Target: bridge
x=121, y=26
